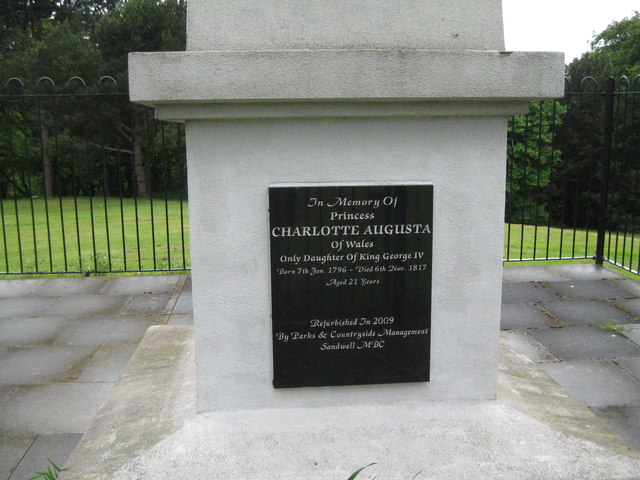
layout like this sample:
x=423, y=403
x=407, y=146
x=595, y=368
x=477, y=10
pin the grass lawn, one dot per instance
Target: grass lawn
x=529, y=242
x=91, y=234
x=74, y=235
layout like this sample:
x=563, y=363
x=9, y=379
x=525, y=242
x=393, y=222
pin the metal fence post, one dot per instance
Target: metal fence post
x=606, y=161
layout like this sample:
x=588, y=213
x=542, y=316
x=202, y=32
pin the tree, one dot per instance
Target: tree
x=25, y=21
x=45, y=66
x=44, y=38
x=619, y=46
x=24, y=16
x=532, y=158
x=139, y=25
x=615, y=52
x=88, y=39
x=60, y=54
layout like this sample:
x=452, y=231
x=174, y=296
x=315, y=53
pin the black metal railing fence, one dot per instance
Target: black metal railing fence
x=573, y=171
x=89, y=183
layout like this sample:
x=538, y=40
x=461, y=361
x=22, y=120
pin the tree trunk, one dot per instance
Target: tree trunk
x=105, y=181
x=47, y=169
x=138, y=167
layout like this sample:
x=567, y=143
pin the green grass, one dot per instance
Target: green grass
x=69, y=246
x=610, y=326
x=528, y=242
x=71, y=235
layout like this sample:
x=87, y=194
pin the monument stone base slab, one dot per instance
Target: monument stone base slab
x=535, y=430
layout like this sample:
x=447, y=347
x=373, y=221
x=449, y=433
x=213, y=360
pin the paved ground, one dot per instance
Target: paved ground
x=65, y=342
x=557, y=316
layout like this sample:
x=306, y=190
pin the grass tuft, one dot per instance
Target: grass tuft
x=609, y=326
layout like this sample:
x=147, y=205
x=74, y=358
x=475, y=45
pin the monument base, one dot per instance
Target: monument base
x=149, y=429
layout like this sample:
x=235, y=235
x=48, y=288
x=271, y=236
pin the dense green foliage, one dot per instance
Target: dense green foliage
x=614, y=52
x=80, y=145
x=556, y=157
x=619, y=46
x=140, y=26
x=531, y=161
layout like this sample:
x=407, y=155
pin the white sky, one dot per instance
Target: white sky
x=560, y=25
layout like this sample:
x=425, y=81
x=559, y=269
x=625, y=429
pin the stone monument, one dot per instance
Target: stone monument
x=346, y=164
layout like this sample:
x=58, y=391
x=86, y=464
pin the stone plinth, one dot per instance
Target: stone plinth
x=342, y=93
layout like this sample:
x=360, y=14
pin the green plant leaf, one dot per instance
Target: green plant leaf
x=357, y=472
x=49, y=474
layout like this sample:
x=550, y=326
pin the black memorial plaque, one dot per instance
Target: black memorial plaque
x=351, y=284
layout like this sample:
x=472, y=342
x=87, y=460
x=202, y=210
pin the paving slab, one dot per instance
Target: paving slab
x=60, y=287
x=587, y=290
x=152, y=399
x=633, y=333
x=585, y=343
x=25, y=306
x=525, y=292
x=631, y=366
x=626, y=284
x=56, y=448
x=529, y=346
x=147, y=303
x=587, y=312
x=184, y=303
x=517, y=316
x=83, y=305
x=630, y=305
x=587, y=271
x=585, y=381
x=106, y=330
x=141, y=284
x=42, y=364
x=32, y=331
x=108, y=363
x=52, y=409
x=624, y=420
x=19, y=287
x=6, y=391
x=12, y=449
x=181, y=319
x=534, y=273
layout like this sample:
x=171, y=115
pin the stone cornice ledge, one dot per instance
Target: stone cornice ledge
x=295, y=83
